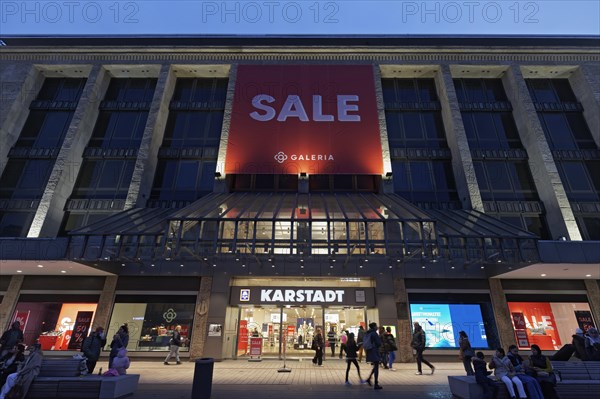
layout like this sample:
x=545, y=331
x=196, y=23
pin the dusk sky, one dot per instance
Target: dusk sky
x=300, y=17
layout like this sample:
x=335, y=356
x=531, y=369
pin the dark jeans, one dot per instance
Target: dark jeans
x=350, y=362
x=375, y=372
x=332, y=346
x=468, y=365
x=91, y=364
x=421, y=359
x=318, y=359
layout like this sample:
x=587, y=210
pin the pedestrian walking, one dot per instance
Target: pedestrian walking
x=372, y=343
x=174, y=345
x=418, y=343
x=91, y=348
x=331, y=340
x=390, y=346
x=351, y=348
x=465, y=353
x=343, y=341
x=383, y=350
x=359, y=342
x=317, y=345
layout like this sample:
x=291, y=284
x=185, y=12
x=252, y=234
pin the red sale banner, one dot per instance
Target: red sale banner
x=540, y=324
x=314, y=119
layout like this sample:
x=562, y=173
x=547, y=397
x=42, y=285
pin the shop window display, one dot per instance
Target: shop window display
x=152, y=324
x=54, y=324
x=548, y=324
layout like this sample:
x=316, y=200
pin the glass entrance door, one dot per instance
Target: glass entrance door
x=299, y=327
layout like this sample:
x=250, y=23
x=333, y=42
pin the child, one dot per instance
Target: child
x=481, y=376
x=121, y=362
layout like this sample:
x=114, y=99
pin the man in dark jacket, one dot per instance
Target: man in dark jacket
x=418, y=344
x=92, y=346
x=372, y=343
x=10, y=338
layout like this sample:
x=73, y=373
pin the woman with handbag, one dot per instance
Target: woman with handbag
x=317, y=346
x=541, y=368
x=466, y=353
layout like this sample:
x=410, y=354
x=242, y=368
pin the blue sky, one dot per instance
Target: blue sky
x=300, y=17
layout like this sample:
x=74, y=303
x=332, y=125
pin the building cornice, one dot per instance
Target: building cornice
x=385, y=55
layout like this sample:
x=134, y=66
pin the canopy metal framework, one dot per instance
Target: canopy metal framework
x=271, y=225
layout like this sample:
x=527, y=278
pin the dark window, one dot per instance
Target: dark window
x=119, y=129
x=185, y=180
x=104, y=179
x=505, y=181
x=25, y=179
x=130, y=90
x=15, y=224
x=61, y=89
x=479, y=90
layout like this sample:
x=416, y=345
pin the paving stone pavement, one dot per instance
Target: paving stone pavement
x=240, y=379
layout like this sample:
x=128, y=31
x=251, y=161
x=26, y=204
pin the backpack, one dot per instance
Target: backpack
x=368, y=342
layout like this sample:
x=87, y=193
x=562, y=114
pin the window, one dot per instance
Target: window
x=25, y=178
x=130, y=90
x=104, y=179
x=505, y=181
x=184, y=180
x=119, y=129
x=15, y=223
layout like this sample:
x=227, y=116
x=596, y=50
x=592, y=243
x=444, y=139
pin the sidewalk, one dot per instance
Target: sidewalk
x=241, y=379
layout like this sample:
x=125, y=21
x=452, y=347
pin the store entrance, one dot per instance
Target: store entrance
x=290, y=329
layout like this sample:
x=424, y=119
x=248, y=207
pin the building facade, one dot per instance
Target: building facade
x=265, y=187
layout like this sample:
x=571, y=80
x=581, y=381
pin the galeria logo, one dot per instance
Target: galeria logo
x=280, y=157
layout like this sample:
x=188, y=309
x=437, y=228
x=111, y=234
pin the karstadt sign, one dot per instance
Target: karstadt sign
x=358, y=296
x=289, y=119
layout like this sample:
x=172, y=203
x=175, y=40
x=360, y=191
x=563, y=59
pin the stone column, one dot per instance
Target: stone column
x=404, y=338
x=503, y=319
x=462, y=162
x=18, y=88
x=147, y=159
x=387, y=185
x=559, y=214
x=586, y=86
x=106, y=303
x=593, y=294
x=49, y=214
x=220, y=183
x=200, y=327
x=9, y=301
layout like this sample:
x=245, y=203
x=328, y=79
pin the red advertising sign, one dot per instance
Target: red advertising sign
x=522, y=339
x=256, y=346
x=21, y=317
x=81, y=328
x=519, y=321
x=315, y=119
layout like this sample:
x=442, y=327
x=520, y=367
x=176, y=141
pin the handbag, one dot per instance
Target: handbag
x=469, y=352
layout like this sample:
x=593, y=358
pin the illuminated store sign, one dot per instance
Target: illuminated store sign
x=330, y=296
x=358, y=296
x=288, y=119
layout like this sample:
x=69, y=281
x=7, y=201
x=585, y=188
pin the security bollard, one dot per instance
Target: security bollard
x=203, y=375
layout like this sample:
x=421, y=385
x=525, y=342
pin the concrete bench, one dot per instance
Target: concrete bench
x=465, y=387
x=60, y=378
x=576, y=379
x=85, y=387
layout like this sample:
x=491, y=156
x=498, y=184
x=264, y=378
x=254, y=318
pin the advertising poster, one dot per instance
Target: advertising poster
x=522, y=339
x=519, y=321
x=83, y=321
x=584, y=319
x=242, y=337
x=442, y=323
x=256, y=346
x=315, y=119
x=540, y=323
x=21, y=317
